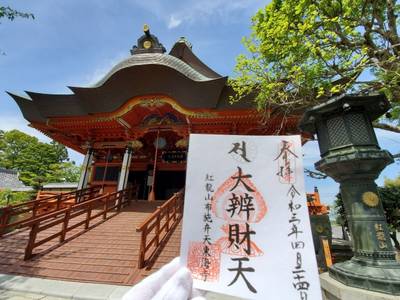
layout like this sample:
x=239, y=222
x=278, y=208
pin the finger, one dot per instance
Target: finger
x=179, y=287
x=148, y=287
x=198, y=294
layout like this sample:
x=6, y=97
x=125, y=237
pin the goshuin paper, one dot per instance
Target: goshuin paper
x=246, y=230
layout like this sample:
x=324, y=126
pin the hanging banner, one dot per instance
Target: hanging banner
x=246, y=230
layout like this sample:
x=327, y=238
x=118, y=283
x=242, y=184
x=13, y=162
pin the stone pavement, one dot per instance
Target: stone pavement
x=30, y=288
x=9, y=295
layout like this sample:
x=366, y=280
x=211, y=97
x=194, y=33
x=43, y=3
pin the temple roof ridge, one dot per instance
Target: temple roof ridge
x=147, y=43
x=179, y=74
x=155, y=59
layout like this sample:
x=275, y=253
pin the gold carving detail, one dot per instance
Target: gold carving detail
x=370, y=199
x=380, y=236
x=319, y=228
x=147, y=44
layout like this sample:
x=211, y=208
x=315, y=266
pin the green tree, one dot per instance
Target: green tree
x=10, y=14
x=2, y=143
x=392, y=182
x=12, y=143
x=63, y=172
x=8, y=197
x=340, y=212
x=302, y=52
x=390, y=192
x=389, y=195
x=37, y=162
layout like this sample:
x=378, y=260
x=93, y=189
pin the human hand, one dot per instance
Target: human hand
x=171, y=282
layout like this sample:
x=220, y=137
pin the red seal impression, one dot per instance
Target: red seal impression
x=204, y=261
x=231, y=205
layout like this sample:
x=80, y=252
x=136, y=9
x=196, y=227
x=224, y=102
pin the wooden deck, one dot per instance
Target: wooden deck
x=107, y=253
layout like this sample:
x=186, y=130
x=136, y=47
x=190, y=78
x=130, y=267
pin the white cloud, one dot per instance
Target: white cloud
x=206, y=10
x=173, y=22
x=103, y=68
x=193, y=11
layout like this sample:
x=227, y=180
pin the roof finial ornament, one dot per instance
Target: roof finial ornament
x=146, y=30
x=147, y=43
x=184, y=40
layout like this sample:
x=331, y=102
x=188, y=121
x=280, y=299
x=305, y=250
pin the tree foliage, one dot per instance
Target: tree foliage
x=11, y=14
x=8, y=197
x=302, y=52
x=389, y=195
x=340, y=212
x=37, y=162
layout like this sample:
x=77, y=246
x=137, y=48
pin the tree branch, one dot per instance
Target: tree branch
x=386, y=127
x=392, y=20
x=314, y=174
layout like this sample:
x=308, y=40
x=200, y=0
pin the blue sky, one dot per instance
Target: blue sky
x=75, y=42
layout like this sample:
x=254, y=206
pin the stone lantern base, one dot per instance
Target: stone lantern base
x=382, y=278
x=335, y=290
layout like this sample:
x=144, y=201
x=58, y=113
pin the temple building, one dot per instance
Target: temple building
x=133, y=125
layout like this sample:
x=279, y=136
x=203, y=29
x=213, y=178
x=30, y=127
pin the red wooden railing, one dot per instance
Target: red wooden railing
x=157, y=228
x=93, y=208
x=17, y=216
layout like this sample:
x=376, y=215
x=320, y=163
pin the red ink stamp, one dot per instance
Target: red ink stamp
x=244, y=204
x=204, y=261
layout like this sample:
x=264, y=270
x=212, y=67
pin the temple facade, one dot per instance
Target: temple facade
x=133, y=125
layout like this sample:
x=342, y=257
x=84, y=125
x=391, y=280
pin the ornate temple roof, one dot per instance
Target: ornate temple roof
x=150, y=83
x=180, y=75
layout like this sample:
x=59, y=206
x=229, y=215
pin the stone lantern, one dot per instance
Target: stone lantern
x=350, y=154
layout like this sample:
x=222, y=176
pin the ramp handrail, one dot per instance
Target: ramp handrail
x=35, y=208
x=93, y=208
x=159, y=225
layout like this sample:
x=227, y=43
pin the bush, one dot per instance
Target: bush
x=15, y=197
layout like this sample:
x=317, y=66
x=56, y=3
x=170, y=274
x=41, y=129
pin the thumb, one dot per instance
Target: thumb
x=179, y=287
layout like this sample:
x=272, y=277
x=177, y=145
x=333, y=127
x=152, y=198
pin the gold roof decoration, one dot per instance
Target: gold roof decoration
x=136, y=144
x=182, y=143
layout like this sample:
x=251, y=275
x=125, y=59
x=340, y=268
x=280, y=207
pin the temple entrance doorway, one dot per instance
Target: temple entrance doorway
x=169, y=182
x=139, y=178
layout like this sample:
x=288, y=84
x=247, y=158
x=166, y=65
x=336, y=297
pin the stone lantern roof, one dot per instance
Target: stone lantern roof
x=374, y=105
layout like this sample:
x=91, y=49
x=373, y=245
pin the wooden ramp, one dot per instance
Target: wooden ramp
x=107, y=253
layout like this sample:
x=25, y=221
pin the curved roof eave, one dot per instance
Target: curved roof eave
x=28, y=108
x=155, y=59
x=52, y=105
x=181, y=51
x=181, y=76
x=144, y=80
x=123, y=85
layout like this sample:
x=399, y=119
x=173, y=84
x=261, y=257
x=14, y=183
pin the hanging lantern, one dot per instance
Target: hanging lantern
x=182, y=143
x=160, y=143
x=136, y=144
